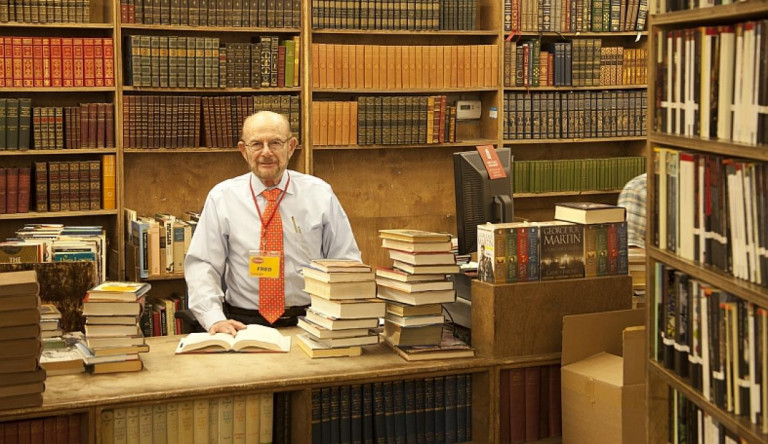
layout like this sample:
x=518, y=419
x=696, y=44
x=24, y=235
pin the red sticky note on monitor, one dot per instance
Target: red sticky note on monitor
x=491, y=161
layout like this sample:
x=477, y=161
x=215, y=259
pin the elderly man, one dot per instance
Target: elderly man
x=258, y=230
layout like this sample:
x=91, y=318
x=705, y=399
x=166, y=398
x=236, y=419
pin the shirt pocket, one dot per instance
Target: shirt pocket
x=309, y=243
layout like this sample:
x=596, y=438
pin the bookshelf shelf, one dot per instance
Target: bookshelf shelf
x=352, y=32
x=179, y=150
x=144, y=89
x=411, y=146
x=572, y=88
x=564, y=194
x=67, y=26
x=738, y=424
x=738, y=287
x=57, y=214
x=580, y=141
x=58, y=152
x=164, y=277
x=208, y=29
x=721, y=147
x=580, y=34
x=48, y=90
x=714, y=14
x=406, y=91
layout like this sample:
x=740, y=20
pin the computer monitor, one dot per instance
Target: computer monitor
x=480, y=199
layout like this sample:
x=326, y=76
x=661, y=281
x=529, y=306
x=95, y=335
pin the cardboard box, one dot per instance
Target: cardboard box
x=603, y=378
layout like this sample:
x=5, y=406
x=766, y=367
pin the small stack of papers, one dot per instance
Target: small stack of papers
x=343, y=310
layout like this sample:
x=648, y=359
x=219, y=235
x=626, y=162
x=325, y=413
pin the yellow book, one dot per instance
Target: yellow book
x=266, y=408
x=172, y=422
x=398, y=68
x=132, y=425
x=187, y=421
x=344, y=66
x=238, y=419
x=315, y=65
x=107, y=427
x=120, y=427
x=359, y=66
x=159, y=423
x=108, y=177
x=252, y=418
x=145, y=423
x=213, y=419
x=226, y=424
x=201, y=421
x=368, y=52
x=296, y=59
x=322, y=62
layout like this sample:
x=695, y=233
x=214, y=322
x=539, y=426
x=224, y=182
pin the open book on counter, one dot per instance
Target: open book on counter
x=253, y=339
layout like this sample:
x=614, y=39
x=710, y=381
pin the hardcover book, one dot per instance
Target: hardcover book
x=589, y=213
x=254, y=338
x=561, y=250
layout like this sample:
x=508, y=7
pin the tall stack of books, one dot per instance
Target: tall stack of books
x=343, y=311
x=113, y=337
x=21, y=379
x=416, y=286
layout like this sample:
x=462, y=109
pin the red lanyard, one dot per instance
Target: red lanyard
x=264, y=224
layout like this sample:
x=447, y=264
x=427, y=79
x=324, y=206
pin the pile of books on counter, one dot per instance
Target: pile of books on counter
x=343, y=308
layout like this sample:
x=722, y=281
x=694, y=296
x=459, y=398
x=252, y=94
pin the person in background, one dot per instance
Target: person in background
x=633, y=198
x=257, y=231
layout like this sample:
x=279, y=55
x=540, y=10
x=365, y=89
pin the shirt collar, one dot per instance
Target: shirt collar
x=258, y=186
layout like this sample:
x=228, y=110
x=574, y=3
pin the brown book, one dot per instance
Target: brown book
x=95, y=184
x=532, y=402
x=18, y=283
x=101, y=124
x=555, y=408
x=22, y=401
x=64, y=186
x=3, y=190
x=417, y=335
x=84, y=129
x=12, y=190
x=20, y=348
x=54, y=190
x=24, y=192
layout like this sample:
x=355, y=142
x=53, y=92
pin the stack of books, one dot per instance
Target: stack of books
x=113, y=336
x=50, y=321
x=343, y=310
x=22, y=381
x=417, y=285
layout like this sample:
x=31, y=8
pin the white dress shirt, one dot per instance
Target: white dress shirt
x=314, y=226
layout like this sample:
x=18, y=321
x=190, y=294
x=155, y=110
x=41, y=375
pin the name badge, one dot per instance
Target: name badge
x=264, y=264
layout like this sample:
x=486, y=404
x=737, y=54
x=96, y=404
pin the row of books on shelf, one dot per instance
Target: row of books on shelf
x=415, y=15
x=158, y=317
x=64, y=427
x=251, y=418
x=191, y=121
x=544, y=176
x=36, y=243
x=243, y=13
x=15, y=190
x=403, y=67
x=714, y=340
x=75, y=185
x=567, y=248
x=712, y=209
x=688, y=423
x=23, y=127
x=579, y=62
x=680, y=5
x=430, y=410
x=575, y=15
x=160, y=241
x=711, y=82
x=575, y=114
x=23, y=381
x=56, y=62
x=384, y=120
x=204, y=62
x=529, y=404
x=45, y=11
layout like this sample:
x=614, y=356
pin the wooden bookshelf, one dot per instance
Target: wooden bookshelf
x=661, y=381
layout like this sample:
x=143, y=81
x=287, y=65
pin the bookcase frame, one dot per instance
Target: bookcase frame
x=659, y=379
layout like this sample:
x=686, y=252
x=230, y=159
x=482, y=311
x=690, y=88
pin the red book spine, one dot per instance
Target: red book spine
x=98, y=62
x=8, y=50
x=89, y=70
x=25, y=191
x=2, y=62
x=3, y=190
x=46, y=61
x=57, y=69
x=109, y=62
x=37, y=62
x=280, y=66
x=613, y=249
x=532, y=402
x=522, y=255
x=18, y=63
x=67, y=63
x=12, y=191
x=28, y=64
x=78, y=62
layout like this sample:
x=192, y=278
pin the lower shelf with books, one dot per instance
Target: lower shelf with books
x=59, y=427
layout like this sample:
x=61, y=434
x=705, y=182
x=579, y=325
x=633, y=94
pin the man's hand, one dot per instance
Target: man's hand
x=229, y=326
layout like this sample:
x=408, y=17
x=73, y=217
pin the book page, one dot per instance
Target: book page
x=200, y=341
x=263, y=337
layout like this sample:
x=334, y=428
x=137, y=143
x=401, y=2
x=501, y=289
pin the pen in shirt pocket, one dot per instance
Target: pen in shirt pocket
x=295, y=227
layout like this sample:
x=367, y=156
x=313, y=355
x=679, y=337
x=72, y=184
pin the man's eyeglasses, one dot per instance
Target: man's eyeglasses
x=273, y=145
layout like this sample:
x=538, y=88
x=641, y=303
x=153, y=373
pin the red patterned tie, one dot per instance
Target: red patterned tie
x=271, y=290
